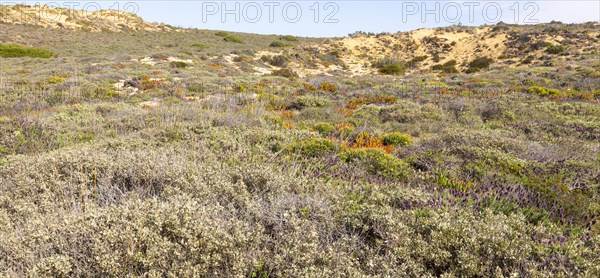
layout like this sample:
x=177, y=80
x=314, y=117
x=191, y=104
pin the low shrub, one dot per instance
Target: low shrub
x=233, y=38
x=312, y=147
x=397, y=139
x=396, y=69
x=554, y=49
x=448, y=67
x=416, y=60
x=16, y=51
x=366, y=140
x=289, y=38
x=479, y=64
x=222, y=34
x=278, y=44
x=56, y=80
x=279, y=61
x=324, y=128
x=287, y=73
x=545, y=92
x=178, y=64
x=329, y=87
x=527, y=60
x=243, y=58
x=344, y=130
x=390, y=66
x=378, y=162
x=309, y=87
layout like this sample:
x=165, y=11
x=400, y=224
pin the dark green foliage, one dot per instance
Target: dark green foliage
x=285, y=72
x=390, y=66
x=479, y=63
x=448, y=67
x=288, y=38
x=416, y=60
x=15, y=51
x=554, y=49
x=278, y=44
x=178, y=64
x=527, y=60
x=395, y=69
x=279, y=61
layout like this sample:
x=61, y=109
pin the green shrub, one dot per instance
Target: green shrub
x=287, y=73
x=527, y=60
x=278, y=44
x=289, y=38
x=324, y=128
x=4, y=150
x=545, y=92
x=243, y=58
x=416, y=60
x=479, y=64
x=233, y=38
x=378, y=162
x=222, y=34
x=16, y=51
x=390, y=66
x=178, y=64
x=396, y=69
x=279, y=61
x=554, y=49
x=312, y=147
x=448, y=67
x=397, y=139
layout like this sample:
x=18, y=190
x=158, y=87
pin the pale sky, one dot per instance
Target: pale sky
x=339, y=18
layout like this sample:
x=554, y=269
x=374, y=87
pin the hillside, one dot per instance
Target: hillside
x=136, y=149
x=92, y=21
